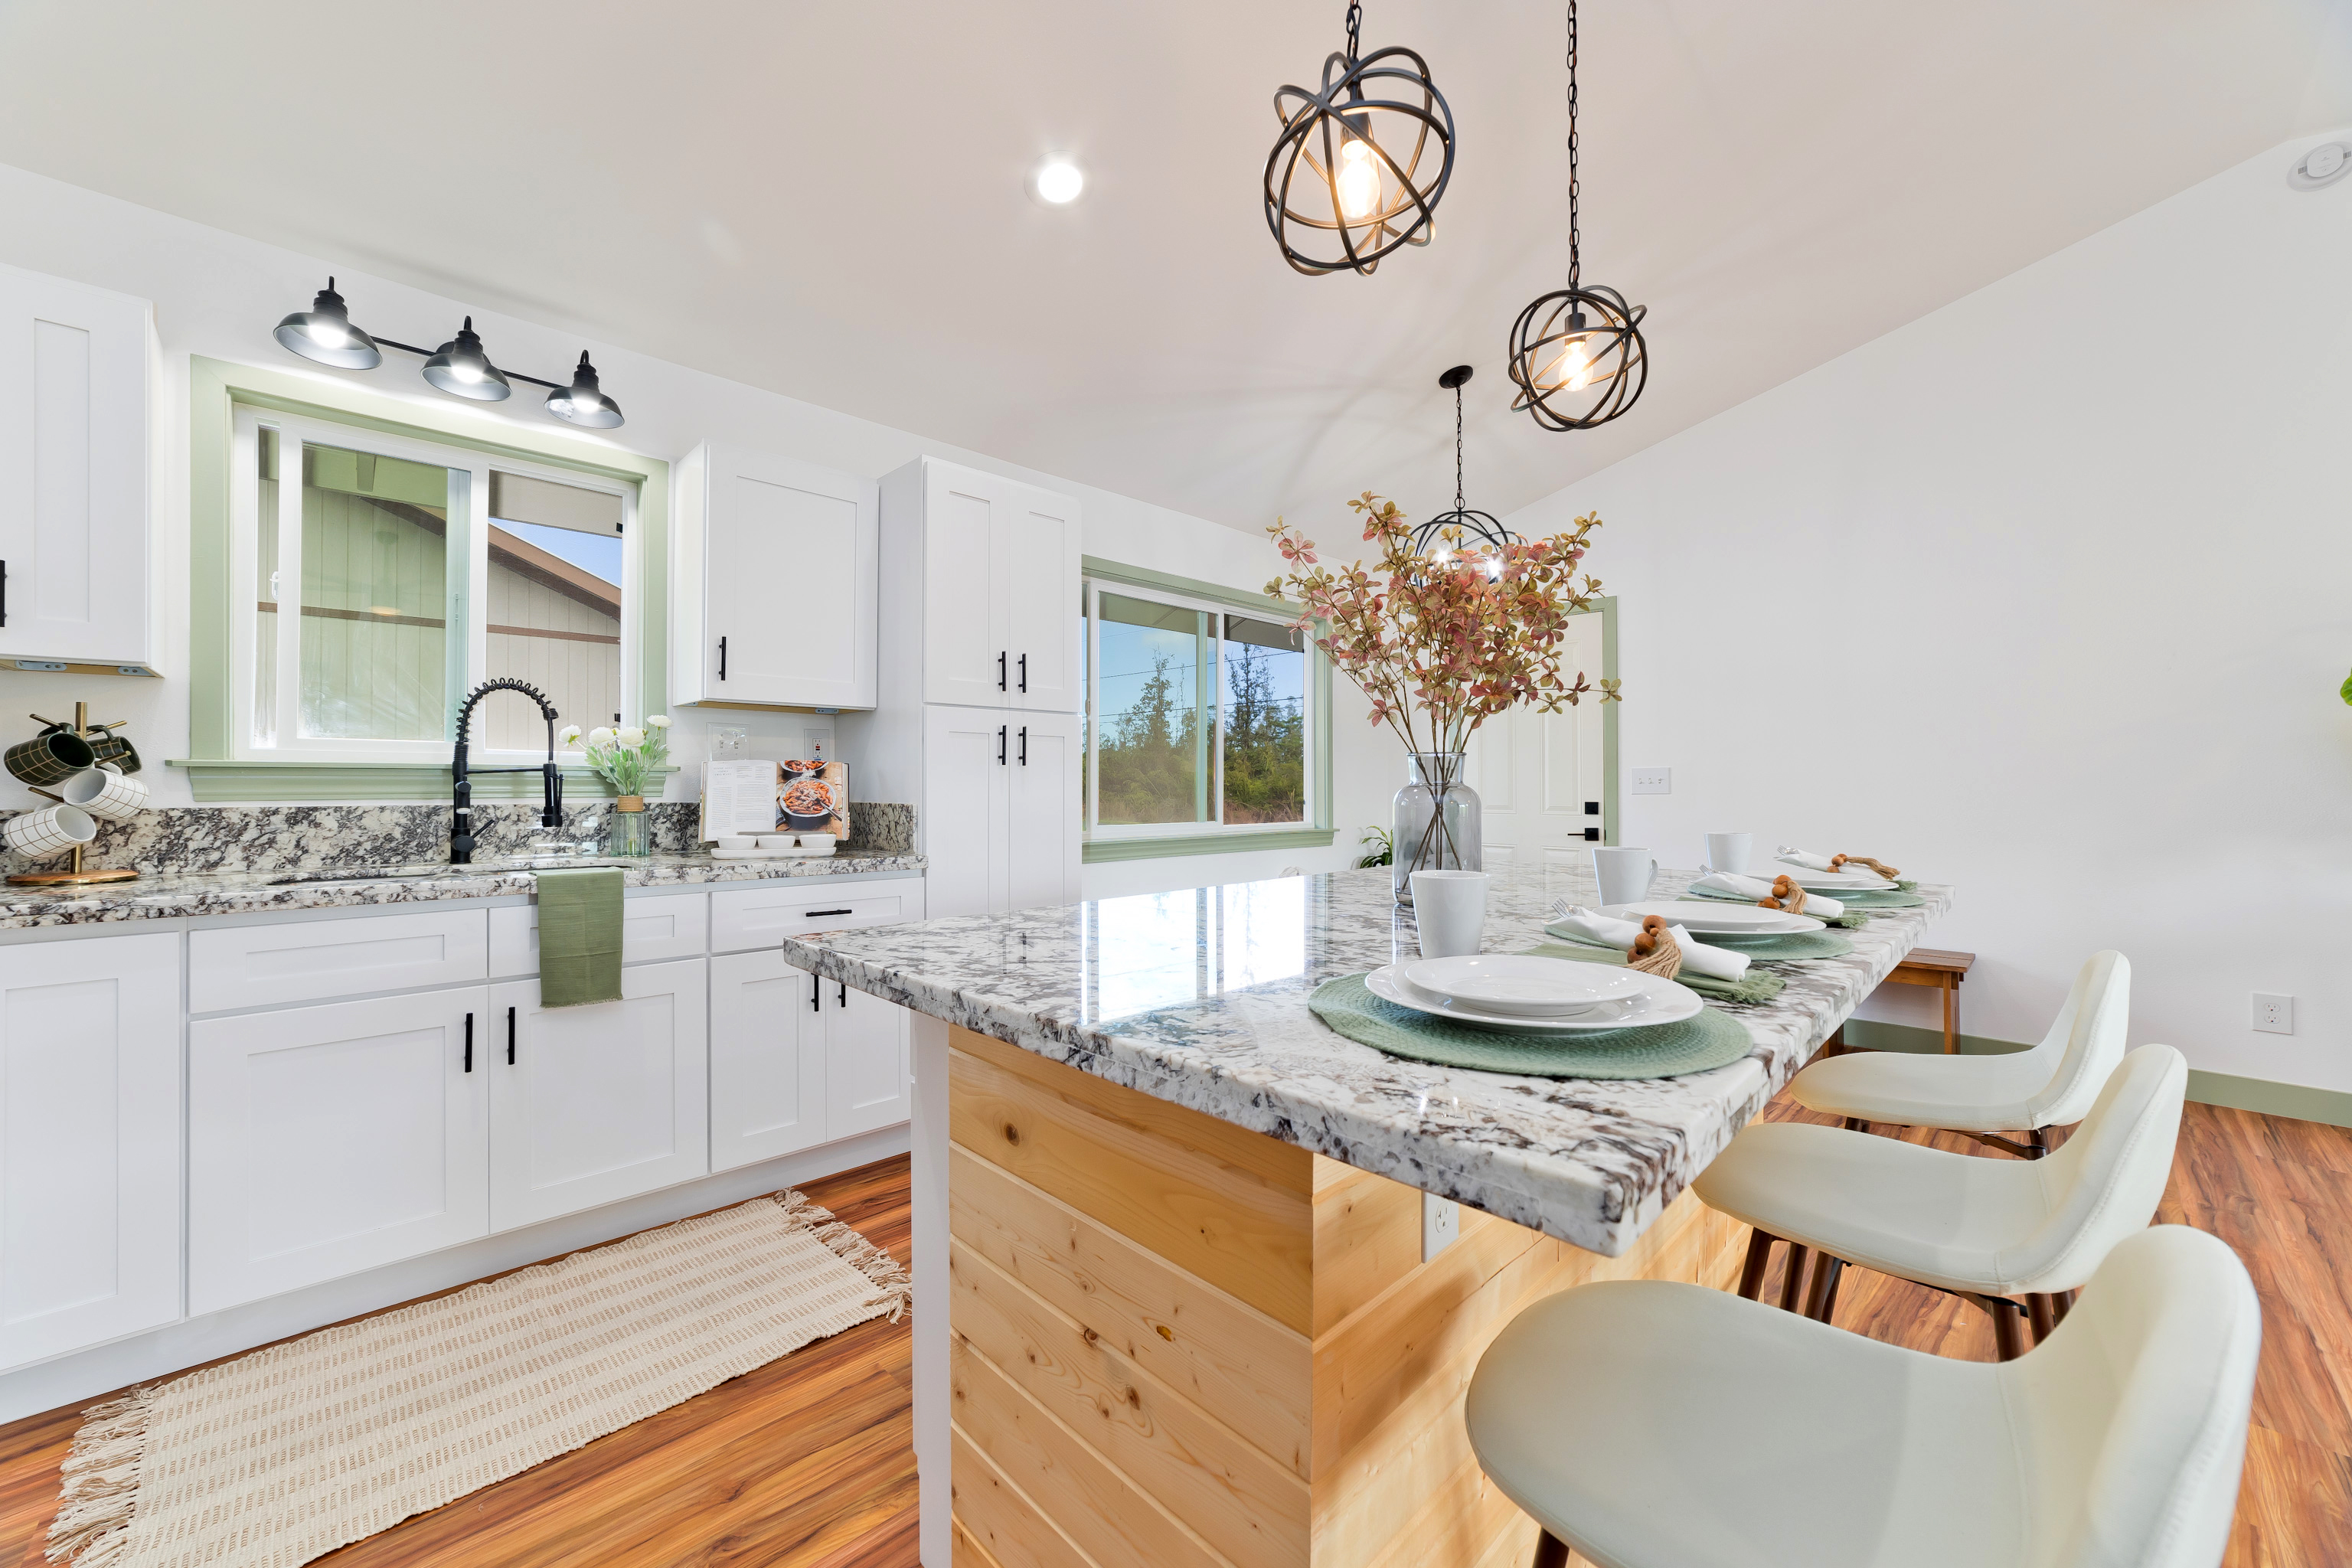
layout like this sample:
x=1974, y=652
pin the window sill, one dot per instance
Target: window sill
x=1170, y=845
x=275, y=781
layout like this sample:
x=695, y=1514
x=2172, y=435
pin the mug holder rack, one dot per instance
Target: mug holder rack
x=76, y=873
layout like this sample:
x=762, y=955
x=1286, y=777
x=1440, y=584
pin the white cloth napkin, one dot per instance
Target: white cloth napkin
x=1751, y=888
x=1811, y=862
x=1715, y=963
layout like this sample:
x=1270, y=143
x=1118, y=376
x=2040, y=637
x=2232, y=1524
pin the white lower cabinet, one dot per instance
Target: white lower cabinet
x=593, y=1104
x=796, y=1061
x=325, y=1140
x=90, y=1142
x=865, y=1061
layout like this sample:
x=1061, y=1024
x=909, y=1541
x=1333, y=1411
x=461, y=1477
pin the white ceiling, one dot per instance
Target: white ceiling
x=828, y=199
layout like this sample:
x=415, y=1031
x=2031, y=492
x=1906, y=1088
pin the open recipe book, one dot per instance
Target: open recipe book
x=747, y=798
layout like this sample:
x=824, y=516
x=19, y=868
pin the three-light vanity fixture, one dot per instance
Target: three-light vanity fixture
x=459, y=367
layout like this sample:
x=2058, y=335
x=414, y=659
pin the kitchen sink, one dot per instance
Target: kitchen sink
x=444, y=869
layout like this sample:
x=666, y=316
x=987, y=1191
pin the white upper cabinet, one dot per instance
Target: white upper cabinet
x=999, y=587
x=772, y=583
x=73, y=471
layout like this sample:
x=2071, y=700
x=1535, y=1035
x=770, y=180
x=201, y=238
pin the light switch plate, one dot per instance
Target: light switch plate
x=1654, y=781
x=1440, y=1224
x=2273, y=1015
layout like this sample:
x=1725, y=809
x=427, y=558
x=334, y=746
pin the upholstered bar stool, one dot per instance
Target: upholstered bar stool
x=1985, y=1229
x=2050, y=1085
x=1655, y=1424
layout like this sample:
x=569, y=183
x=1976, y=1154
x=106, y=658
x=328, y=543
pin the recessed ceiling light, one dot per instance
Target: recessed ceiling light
x=1057, y=182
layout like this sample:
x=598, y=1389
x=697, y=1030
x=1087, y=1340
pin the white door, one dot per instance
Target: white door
x=767, y=1060
x=325, y=1140
x=773, y=522
x=73, y=471
x=90, y=1141
x=1044, y=813
x=1040, y=535
x=865, y=1041
x=966, y=764
x=597, y=1103
x=1538, y=775
x=967, y=657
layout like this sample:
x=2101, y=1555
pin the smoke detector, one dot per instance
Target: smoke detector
x=2323, y=165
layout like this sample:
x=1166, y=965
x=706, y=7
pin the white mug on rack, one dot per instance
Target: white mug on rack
x=103, y=792
x=1624, y=873
x=50, y=830
x=1729, y=851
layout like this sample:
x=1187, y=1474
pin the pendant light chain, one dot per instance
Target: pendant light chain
x=1575, y=261
x=1458, y=446
x=1355, y=28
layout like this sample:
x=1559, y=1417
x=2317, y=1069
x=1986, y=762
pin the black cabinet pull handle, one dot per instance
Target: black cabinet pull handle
x=1000, y=672
x=816, y=994
x=722, y=658
x=510, y=1011
x=1025, y=745
x=469, y=1042
x=1025, y=672
x=3, y=592
x=817, y=914
x=844, y=993
x=1000, y=745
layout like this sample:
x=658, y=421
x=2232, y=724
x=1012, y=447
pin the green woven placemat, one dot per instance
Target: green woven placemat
x=1781, y=949
x=1756, y=986
x=1710, y=1040
x=1851, y=919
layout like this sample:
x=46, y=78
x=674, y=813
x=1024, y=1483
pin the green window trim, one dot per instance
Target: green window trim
x=1223, y=841
x=216, y=389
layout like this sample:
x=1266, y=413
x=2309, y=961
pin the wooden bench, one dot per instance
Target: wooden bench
x=1944, y=970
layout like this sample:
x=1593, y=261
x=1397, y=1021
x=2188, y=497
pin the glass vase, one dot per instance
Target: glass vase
x=1439, y=822
x=626, y=830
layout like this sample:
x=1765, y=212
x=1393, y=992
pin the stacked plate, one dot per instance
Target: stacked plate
x=1718, y=919
x=1520, y=991
x=1830, y=882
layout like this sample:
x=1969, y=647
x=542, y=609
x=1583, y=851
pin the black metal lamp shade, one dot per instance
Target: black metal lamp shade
x=584, y=402
x=461, y=369
x=324, y=333
x=1362, y=163
x=1577, y=359
x=1451, y=531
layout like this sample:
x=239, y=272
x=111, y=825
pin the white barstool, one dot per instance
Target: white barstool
x=2050, y=1085
x=1985, y=1229
x=1652, y=1425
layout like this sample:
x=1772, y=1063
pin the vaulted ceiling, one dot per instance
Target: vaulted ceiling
x=828, y=199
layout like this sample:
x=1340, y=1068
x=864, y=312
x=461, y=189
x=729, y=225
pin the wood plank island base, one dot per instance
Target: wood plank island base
x=1177, y=1224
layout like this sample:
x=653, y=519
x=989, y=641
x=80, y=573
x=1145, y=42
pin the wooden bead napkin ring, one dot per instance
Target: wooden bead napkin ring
x=1839, y=862
x=1786, y=895
x=1655, y=951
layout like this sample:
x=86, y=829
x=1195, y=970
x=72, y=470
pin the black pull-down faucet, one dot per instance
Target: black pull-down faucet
x=461, y=804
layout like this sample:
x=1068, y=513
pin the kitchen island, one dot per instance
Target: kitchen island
x=1173, y=1302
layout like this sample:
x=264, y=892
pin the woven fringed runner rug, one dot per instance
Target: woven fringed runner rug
x=281, y=1456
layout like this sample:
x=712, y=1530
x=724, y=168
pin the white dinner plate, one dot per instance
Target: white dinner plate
x=1658, y=1001
x=1827, y=882
x=1722, y=919
x=1520, y=984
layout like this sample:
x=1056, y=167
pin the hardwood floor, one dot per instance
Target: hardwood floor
x=806, y=1463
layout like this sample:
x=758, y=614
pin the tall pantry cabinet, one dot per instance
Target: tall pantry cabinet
x=981, y=685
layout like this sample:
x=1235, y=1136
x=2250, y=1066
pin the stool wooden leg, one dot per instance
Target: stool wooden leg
x=2060, y=1305
x=1793, y=1284
x=1759, y=1258
x=1856, y=1124
x=2005, y=1338
x=1825, y=1277
x=2038, y=1313
x=1552, y=1551
x=1951, y=1016
x=1829, y=1302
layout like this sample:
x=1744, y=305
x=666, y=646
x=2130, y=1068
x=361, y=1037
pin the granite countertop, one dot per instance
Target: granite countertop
x=170, y=894
x=1199, y=998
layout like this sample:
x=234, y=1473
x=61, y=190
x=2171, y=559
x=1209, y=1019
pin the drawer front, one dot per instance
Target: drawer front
x=666, y=926
x=259, y=966
x=746, y=918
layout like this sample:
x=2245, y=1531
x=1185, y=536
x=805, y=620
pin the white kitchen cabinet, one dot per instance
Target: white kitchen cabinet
x=74, y=447
x=663, y=926
x=751, y=534
x=866, y=1053
x=767, y=1064
x=1043, y=805
x=595, y=1103
x=310, y=961
x=325, y=1140
x=1000, y=810
x=90, y=1141
x=764, y=913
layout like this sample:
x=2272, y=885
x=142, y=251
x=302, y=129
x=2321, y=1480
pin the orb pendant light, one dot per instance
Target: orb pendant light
x=461, y=369
x=1450, y=533
x=324, y=333
x=1361, y=162
x=1577, y=355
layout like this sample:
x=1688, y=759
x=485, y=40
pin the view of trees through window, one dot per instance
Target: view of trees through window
x=1175, y=743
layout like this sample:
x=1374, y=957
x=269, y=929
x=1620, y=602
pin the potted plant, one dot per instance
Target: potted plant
x=628, y=759
x=1441, y=640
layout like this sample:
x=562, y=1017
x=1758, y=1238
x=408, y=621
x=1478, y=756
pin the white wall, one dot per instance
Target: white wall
x=218, y=294
x=2047, y=595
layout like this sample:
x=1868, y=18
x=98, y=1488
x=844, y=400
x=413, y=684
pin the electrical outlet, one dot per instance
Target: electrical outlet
x=2273, y=1015
x=1440, y=1224
x=1654, y=781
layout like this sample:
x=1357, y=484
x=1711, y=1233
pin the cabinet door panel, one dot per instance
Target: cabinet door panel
x=325, y=1140
x=965, y=787
x=1041, y=575
x=257, y=966
x=865, y=1062
x=1043, y=820
x=598, y=1102
x=771, y=522
x=90, y=1142
x=767, y=1060
x=964, y=611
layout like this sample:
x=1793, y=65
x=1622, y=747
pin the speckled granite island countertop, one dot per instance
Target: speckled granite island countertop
x=1200, y=998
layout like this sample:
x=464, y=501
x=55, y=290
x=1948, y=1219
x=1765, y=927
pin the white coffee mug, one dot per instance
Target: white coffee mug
x=1624, y=874
x=49, y=831
x=1450, y=908
x=1728, y=851
x=102, y=792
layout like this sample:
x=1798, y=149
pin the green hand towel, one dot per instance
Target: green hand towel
x=579, y=937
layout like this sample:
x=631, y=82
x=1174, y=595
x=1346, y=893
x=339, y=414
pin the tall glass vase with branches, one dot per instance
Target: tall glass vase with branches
x=1440, y=640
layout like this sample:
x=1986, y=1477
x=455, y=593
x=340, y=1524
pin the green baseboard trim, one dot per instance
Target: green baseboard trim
x=2296, y=1101
x=1864, y=1034
x=291, y=783
x=1099, y=850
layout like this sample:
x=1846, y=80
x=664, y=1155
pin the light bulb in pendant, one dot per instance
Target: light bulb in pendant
x=1358, y=184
